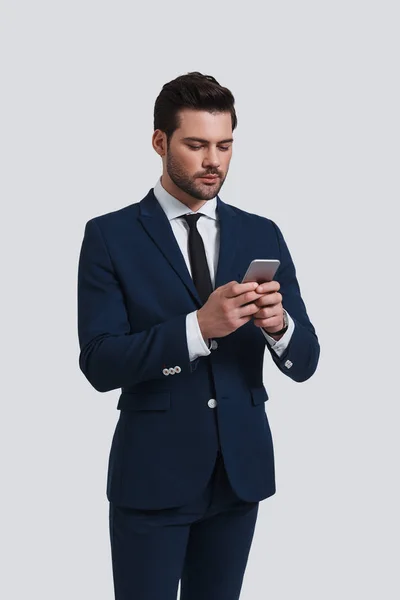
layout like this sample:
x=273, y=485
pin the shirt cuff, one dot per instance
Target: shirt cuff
x=196, y=344
x=279, y=346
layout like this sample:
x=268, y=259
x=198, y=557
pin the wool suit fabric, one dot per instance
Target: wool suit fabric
x=179, y=470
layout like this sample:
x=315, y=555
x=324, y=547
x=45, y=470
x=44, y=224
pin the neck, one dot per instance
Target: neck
x=192, y=203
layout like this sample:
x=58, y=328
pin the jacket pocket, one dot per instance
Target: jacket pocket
x=259, y=395
x=144, y=401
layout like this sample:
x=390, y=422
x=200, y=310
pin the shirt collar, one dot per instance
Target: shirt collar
x=174, y=208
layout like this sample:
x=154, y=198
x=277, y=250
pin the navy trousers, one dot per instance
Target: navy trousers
x=204, y=544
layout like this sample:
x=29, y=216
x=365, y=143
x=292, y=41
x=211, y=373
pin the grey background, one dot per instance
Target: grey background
x=316, y=149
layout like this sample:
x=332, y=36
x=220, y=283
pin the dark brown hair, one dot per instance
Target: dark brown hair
x=193, y=90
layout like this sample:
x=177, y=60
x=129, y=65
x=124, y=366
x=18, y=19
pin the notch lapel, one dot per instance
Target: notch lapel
x=155, y=222
x=230, y=230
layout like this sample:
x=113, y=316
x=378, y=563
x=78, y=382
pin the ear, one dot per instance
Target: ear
x=159, y=142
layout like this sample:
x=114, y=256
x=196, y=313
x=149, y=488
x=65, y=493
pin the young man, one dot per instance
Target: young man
x=162, y=315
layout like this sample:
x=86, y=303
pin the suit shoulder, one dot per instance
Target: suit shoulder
x=252, y=218
x=116, y=216
x=115, y=221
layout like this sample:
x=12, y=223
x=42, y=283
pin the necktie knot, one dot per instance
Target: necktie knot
x=192, y=219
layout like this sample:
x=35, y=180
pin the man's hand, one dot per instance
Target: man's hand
x=270, y=313
x=228, y=307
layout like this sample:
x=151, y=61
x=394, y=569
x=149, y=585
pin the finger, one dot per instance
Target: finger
x=246, y=298
x=272, y=299
x=268, y=323
x=247, y=309
x=265, y=313
x=236, y=289
x=270, y=312
x=267, y=287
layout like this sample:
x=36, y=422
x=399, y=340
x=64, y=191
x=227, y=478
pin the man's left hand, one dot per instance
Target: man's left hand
x=270, y=315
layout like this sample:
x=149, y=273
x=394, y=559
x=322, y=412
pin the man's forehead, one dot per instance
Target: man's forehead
x=204, y=124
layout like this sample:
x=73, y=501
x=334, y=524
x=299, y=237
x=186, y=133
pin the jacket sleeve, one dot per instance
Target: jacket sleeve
x=300, y=359
x=111, y=356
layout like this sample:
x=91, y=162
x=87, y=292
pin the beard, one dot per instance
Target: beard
x=192, y=185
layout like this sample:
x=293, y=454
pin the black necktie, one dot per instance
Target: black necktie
x=198, y=261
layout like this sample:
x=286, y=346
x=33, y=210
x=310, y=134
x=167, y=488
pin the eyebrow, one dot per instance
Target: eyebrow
x=196, y=139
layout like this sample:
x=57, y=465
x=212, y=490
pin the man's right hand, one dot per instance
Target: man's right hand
x=224, y=311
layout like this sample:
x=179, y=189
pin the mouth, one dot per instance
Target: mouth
x=210, y=178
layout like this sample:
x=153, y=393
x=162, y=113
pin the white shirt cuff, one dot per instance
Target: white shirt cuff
x=196, y=344
x=279, y=346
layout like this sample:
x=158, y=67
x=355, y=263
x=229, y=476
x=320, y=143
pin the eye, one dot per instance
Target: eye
x=224, y=148
x=194, y=147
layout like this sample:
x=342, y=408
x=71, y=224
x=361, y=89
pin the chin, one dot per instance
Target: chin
x=209, y=191
x=208, y=196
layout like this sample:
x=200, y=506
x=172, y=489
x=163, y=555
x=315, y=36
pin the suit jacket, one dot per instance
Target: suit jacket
x=134, y=292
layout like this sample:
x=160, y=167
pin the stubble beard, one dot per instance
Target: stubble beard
x=187, y=184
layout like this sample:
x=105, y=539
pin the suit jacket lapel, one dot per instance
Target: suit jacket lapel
x=157, y=225
x=230, y=235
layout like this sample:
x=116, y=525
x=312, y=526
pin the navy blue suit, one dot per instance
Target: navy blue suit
x=134, y=292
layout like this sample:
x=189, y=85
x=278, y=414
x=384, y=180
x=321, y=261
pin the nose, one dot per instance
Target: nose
x=211, y=158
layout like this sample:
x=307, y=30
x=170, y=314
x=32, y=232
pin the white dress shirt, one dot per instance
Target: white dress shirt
x=208, y=227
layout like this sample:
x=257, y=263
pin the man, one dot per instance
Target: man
x=162, y=315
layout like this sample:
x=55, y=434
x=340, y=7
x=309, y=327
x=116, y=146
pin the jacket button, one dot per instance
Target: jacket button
x=172, y=371
x=177, y=369
x=165, y=371
x=212, y=403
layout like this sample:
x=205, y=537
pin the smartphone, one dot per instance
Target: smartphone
x=261, y=270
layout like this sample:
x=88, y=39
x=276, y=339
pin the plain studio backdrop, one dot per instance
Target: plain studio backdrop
x=317, y=150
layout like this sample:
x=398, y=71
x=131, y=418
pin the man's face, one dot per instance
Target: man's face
x=202, y=145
